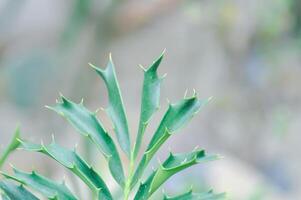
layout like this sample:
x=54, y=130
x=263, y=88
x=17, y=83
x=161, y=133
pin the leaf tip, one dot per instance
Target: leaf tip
x=52, y=139
x=210, y=99
x=163, y=76
x=141, y=66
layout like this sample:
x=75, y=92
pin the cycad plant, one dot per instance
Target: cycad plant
x=134, y=184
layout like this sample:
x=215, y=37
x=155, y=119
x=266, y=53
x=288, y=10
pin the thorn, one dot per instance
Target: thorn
x=110, y=56
x=11, y=165
x=194, y=93
x=196, y=148
x=42, y=143
x=159, y=161
x=75, y=147
x=100, y=108
x=97, y=110
x=168, y=101
x=185, y=94
x=52, y=137
x=91, y=65
x=81, y=101
x=163, y=76
x=164, y=51
x=142, y=67
x=64, y=179
x=96, y=68
x=210, y=98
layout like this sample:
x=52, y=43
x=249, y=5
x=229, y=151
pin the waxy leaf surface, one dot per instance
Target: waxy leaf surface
x=72, y=161
x=149, y=101
x=16, y=192
x=116, y=109
x=45, y=186
x=172, y=165
x=88, y=125
x=176, y=116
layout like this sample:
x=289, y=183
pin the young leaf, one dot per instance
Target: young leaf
x=149, y=100
x=15, y=192
x=45, y=186
x=116, y=109
x=172, y=165
x=72, y=161
x=175, y=117
x=199, y=196
x=11, y=147
x=88, y=125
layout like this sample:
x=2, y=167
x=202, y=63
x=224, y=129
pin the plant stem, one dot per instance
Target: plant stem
x=127, y=188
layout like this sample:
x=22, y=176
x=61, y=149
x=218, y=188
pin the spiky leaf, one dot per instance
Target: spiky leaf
x=15, y=192
x=197, y=196
x=175, y=117
x=149, y=100
x=116, y=109
x=45, y=186
x=172, y=165
x=88, y=125
x=11, y=147
x=72, y=161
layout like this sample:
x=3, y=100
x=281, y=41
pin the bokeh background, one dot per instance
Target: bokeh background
x=244, y=53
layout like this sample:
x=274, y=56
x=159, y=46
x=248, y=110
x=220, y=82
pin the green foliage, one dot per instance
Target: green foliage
x=11, y=147
x=47, y=187
x=88, y=125
x=16, y=192
x=197, y=196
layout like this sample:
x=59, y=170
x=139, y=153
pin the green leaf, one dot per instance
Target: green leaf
x=172, y=165
x=11, y=147
x=88, y=125
x=197, y=196
x=149, y=101
x=116, y=109
x=15, y=192
x=45, y=186
x=176, y=116
x=72, y=161
x=4, y=197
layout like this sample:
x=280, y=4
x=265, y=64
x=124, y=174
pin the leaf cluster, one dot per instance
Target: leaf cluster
x=133, y=183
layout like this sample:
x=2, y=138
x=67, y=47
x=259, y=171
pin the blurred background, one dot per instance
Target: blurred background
x=246, y=54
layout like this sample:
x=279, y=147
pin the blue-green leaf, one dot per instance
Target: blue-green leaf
x=15, y=192
x=88, y=125
x=176, y=116
x=149, y=101
x=116, y=109
x=72, y=161
x=4, y=197
x=45, y=186
x=11, y=147
x=172, y=165
x=197, y=196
